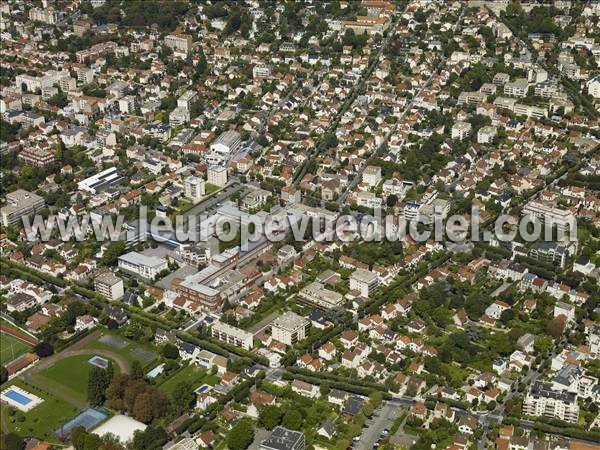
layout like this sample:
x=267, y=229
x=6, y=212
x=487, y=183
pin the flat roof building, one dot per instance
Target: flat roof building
x=316, y=294
x=289, y=328
x=232, y=335
x=20, y=203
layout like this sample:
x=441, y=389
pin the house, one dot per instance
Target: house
x=526, y=342
x=85, y=322
x=467, y=424
x=327, y=430
x=327, y=351
x=496, y=309
x=337, y=397
x=118, y=315
x=564, y=309
x=305, y=389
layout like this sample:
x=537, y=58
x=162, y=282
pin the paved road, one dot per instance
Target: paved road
x=74, y=350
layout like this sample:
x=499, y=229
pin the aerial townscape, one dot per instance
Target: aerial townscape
x=432, y=280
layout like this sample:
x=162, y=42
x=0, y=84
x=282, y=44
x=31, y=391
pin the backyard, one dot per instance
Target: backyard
x=193, y=374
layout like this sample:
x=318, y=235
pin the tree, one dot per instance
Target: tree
x=241, y=435
x=98, y=382
x=170, y=351
x=3, y=374
x=12, y=441
x=183, y=396
x=44, y=349
x=292, y=420
x=556, y=327
x=269, y=417
x=391, y=200
x=142, y=409
x=136, y=370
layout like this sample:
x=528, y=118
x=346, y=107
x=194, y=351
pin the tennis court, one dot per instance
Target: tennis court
x=11, y=348
x=88, y=419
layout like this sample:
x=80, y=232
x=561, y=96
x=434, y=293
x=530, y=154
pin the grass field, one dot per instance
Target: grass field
x=42, y=420
x=128, y=352
x=11, y=348
x=69, y=375
x=191, y=373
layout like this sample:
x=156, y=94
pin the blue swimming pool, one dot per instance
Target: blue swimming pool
x=18, y=397
x=156, y=371
x=202, y=389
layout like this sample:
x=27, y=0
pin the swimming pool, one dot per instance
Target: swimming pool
x=98, y=361
x=156, y=371
x=202, y=389
x=18, y=397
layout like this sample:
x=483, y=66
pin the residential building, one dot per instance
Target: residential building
x=289, y=328
x=20, y=203
x=316, y=294
x=542, y=400
x=217, y=175
x=109, y=285
x=364, y=281
x=193, y=188
x=232, y=335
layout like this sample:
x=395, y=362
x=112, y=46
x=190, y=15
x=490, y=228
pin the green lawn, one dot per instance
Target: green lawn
x=127, y=352
x=191, y=373
x=209, y=188
x=42, y=420
x=69, y=375
x=11, y=348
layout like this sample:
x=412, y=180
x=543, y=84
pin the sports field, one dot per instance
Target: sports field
x=11, y=348
x=69, y=376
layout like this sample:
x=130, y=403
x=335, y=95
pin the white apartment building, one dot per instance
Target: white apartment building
x=217, y=175
x=542, y=400
x=316, y=294
x=461, y=130
x=47, y=15
x=232, y=335
x=109, y=285
x=364, y=281
x=563, y=219
x=593, y=87
x=144, y=266
x=187, y=99
x=372, y=175
x=261, y=71
x=194, y=188
x=517, y=88
x=20, y=203
x=180, y=43
x=127, y=104
x=289, y=328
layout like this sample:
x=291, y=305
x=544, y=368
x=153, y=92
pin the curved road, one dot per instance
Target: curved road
x=74, y=350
